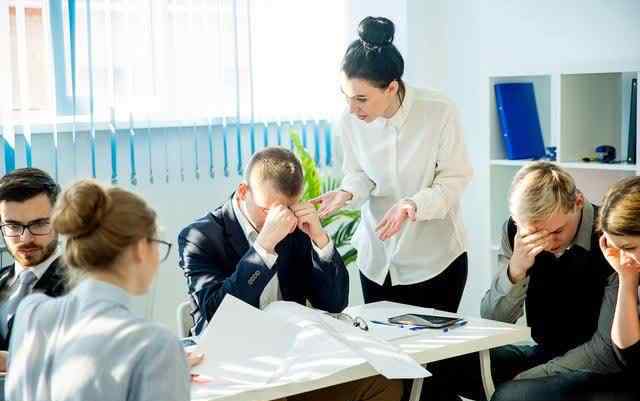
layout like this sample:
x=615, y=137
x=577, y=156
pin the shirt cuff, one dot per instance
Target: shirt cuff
x=326, y=253
x=506, y=287
x=269, y=259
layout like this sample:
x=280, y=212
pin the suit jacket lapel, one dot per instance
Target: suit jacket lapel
x=6, y=274
x=232, y=228
x=53, y=278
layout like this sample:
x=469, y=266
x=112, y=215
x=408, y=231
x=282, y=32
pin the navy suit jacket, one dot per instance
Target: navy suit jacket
x=217, y=260
x=52, y=283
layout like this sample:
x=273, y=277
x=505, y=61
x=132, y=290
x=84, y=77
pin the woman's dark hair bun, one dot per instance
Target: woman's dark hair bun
x=376, y=31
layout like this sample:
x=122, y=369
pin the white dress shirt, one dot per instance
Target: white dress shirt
x=38, y=269
x=417, y=154
x=271, y=292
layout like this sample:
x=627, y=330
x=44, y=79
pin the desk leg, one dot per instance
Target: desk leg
x=416, y=389
x=485, y=371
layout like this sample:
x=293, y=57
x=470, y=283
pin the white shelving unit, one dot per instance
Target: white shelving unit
x=577, y=111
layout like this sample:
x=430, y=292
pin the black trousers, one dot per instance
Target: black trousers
x=574, y=386
x=442, y=292
x=461, y=375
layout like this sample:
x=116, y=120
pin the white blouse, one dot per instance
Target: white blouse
x=418, y=154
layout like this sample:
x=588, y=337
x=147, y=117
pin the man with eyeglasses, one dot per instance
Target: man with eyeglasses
x=27, y=197
x=264, y=245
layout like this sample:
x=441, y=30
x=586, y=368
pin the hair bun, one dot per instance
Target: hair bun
x=376, y=31
x=81, y=210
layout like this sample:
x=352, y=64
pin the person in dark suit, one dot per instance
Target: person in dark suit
x=27, y=197
x=264, y=245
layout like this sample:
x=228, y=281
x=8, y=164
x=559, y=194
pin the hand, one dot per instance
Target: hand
x=395, y=217
x=331, y=201
x=4, y=355
x=628, y=272
x=279, y=223
x=309, y=223
x=193, y=360
x=526, y=246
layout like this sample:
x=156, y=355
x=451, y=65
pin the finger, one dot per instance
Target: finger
x=303, y=219
x=534, y=237
x=326, y=210
x=302, y=206
x=383, y=223
x=535, y=251
x=386, y=234
x=412, y=213
x=392, y=231
x=320, y=199
x=293, y=223
x=193, y=360
x=383, y=230
x=305, y=212
x=199, y=379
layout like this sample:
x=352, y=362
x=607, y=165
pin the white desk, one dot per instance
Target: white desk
x=478, y=335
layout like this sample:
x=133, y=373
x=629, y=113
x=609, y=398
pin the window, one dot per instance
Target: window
x=253, y=60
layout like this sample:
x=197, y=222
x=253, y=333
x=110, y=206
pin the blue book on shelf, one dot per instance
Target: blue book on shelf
x=519, y=123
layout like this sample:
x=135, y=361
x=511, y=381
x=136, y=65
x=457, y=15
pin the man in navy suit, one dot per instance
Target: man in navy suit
x=27, y=197
x=262, y=245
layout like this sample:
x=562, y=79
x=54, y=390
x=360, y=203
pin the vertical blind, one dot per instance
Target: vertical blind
x=244, y=70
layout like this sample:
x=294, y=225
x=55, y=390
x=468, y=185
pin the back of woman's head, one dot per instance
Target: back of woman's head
x=100, y=223
x=373, y=57
x=620, y=210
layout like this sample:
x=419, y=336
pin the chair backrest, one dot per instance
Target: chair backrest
x=184, y=319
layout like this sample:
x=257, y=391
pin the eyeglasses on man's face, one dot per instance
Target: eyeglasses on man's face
x=36, y=227
x=164, y=248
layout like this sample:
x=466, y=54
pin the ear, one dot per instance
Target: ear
x=393, y=88
x=242, y=190
x=579, y=200
x=139, y=250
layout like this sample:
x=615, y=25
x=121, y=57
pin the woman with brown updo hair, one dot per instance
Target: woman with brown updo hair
x=89, y=345
x=620, y=243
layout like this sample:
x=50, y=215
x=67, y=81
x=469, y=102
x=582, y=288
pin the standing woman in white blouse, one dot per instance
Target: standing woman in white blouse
x=405, y=166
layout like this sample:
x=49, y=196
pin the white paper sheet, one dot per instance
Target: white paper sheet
x=386, y=358
x=247, y=349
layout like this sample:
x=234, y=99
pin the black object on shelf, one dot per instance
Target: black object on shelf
x=633, y=112
x=606, y=154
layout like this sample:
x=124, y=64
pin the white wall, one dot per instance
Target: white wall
x=456, y=45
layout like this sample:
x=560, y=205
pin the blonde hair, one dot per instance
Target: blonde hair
x=280, y=167
x=620, y=210
x=541, y=189
x=100, y=223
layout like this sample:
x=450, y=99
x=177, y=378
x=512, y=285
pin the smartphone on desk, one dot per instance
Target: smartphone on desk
x=418, y=319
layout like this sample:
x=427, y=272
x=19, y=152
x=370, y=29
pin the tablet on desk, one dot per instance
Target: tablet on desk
x=418, y=319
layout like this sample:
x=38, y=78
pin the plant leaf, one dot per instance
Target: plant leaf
x=311, y=176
